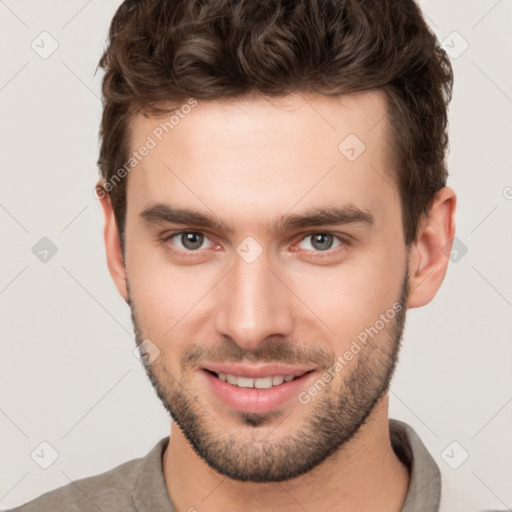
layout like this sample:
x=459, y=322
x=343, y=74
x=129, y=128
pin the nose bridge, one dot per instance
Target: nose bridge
x=253, y=303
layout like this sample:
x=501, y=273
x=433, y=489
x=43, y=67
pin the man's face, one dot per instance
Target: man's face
x=256, y=296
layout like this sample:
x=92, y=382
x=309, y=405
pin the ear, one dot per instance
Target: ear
x=429, y=255
x=115, y=261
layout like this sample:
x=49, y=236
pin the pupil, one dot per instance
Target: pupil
x=191, y=240
x=322, y=238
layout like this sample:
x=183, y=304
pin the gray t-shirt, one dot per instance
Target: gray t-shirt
x=139, y=486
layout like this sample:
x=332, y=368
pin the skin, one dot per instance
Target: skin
x=251, y=161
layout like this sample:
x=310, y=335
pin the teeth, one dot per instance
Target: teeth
x=263, y=383
x=278, y=379
x=245, y=382
x=259, y=383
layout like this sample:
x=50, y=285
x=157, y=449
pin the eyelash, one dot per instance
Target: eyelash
x=320, y=254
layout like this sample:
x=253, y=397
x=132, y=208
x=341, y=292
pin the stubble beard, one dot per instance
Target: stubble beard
x=335, y=414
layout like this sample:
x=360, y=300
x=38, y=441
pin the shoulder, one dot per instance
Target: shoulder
x=111, y=490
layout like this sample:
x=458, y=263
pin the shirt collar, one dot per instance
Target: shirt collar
x=150, y=492
x=424, y=493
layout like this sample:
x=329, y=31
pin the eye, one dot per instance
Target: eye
x=321, y=242
x=188, y=241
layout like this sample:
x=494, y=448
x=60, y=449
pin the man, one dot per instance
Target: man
x=274, y=191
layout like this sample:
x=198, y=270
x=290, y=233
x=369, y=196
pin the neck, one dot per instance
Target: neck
x=365, y=474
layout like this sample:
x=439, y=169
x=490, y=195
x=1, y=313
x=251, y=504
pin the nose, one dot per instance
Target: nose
x=253, y=303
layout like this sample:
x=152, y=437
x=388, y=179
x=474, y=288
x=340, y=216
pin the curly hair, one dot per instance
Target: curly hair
x=164, y=51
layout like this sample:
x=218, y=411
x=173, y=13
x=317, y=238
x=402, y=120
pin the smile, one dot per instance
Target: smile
x=258, y=383
x=257, y=393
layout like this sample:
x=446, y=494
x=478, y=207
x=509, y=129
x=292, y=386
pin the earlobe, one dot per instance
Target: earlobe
x=429, y=255
x=114, y=255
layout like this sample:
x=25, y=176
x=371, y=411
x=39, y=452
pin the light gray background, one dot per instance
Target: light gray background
x=68, y=375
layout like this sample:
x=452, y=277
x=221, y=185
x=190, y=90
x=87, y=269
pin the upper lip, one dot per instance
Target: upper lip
x=250, y=371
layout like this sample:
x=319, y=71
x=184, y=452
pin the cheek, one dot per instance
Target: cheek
x=168, y=298
x=153, y=290
x=350, y=298
x=161, y=298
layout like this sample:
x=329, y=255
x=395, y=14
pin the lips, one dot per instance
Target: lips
x=252, y=389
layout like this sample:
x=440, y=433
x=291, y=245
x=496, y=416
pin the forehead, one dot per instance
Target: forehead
x=254, y=155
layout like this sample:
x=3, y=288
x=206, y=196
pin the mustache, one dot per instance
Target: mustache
x=273, y=350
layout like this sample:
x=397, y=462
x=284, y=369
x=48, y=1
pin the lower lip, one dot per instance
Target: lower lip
x=256, y=400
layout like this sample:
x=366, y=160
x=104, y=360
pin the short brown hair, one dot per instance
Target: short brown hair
x=162, y=51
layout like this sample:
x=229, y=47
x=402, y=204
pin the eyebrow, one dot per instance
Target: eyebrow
x=162, y=213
